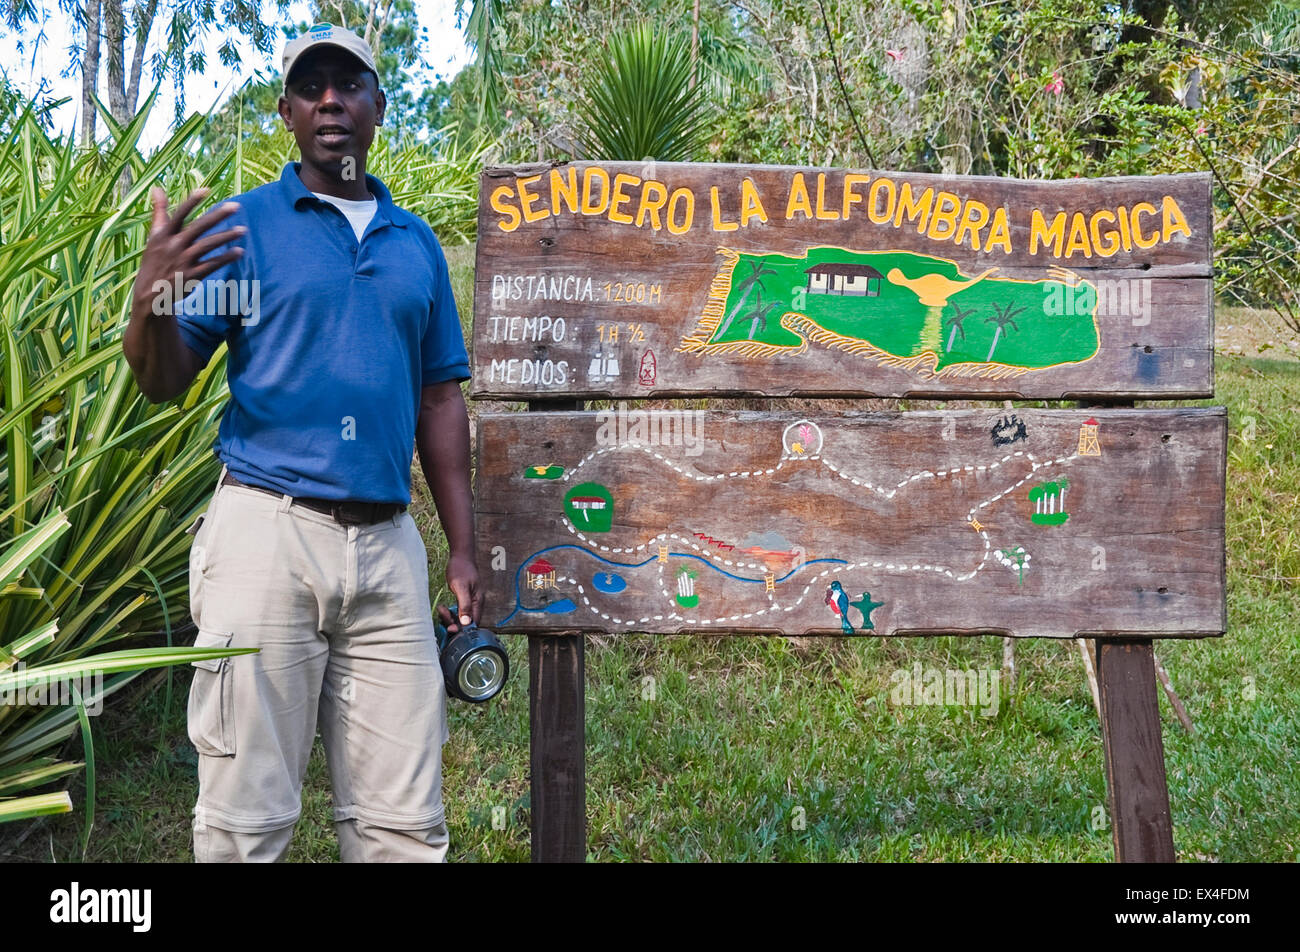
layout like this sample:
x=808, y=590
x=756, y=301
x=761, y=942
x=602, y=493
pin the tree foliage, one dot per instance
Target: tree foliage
x=1025, y=88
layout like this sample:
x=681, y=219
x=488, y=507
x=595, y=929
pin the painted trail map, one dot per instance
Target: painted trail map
x=1026, y=523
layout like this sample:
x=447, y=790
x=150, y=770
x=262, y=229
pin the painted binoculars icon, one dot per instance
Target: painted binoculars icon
x=474, y=662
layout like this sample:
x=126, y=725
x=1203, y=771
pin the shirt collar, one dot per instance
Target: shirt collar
x=297, y=193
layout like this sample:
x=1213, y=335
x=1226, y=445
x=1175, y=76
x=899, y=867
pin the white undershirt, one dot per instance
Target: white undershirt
x=358, y=214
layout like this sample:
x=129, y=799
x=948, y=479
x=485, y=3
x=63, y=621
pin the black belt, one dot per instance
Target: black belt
x=347, y=512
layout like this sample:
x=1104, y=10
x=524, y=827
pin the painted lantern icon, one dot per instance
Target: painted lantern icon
x=590, y=507
x=649, y=369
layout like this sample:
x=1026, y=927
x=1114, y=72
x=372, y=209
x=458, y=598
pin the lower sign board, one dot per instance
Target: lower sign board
x=1023, y=523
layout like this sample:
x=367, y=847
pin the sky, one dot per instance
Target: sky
x=41, y=54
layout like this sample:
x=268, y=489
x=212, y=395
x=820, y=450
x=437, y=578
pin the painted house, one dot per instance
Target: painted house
x=541, y=574
x=587, y=504
x=844, y=278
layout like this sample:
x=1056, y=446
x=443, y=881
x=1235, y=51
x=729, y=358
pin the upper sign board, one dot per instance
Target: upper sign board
x=658, y=279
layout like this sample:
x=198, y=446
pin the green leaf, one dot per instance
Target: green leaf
x=39, y=805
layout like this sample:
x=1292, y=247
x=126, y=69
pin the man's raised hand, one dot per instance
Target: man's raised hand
x=174, y=248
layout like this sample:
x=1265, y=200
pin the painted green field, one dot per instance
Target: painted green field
x=922, y=304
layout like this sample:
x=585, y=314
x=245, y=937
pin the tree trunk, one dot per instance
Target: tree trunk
x=695, y=41
x=90, y=73
x=137, y=56
x=375, y=26
x=1194, y=97
x=115, y=64
x=996, y=334
x=958, y=157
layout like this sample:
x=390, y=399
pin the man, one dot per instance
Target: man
x=344, y=349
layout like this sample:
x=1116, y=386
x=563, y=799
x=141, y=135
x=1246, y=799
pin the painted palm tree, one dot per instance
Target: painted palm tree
x=959, y=314
x=755, y=279
x=1003, y=317
x=758, y=316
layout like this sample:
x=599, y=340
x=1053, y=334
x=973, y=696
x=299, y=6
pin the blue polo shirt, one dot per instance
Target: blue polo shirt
x=330, y=342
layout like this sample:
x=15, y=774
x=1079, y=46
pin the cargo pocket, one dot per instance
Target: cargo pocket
x=211, y=711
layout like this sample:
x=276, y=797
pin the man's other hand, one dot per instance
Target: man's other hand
x=462, y=579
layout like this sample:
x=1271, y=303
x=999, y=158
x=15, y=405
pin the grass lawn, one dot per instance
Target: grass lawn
x=789, y=749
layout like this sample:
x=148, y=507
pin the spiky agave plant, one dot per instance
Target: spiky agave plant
x=97, y=485
x=642, y=103
x=26, y=685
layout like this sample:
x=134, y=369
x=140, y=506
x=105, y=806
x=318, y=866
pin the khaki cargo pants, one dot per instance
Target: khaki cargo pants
x=342, y=617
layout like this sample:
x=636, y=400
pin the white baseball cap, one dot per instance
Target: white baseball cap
x=326, y=34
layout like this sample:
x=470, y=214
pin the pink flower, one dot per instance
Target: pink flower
x=1057, y=85
x=1200, y=130
x=895, y=55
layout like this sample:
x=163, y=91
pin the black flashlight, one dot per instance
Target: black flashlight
x=474, y=662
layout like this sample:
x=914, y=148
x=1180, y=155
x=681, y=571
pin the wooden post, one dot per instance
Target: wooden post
x=557, y=734
x=1135, y=753
x=1134, y=749
x=557, y=718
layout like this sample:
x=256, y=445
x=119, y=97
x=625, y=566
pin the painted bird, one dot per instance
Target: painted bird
x=838, y=600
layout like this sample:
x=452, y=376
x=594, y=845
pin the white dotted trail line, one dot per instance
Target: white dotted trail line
x=773, y=606
x=1035, y=467
x=855, y=480
x=670, y=464
x=712, y=555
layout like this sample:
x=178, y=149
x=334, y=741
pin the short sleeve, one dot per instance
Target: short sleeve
x=442, y=351
x=222, y=300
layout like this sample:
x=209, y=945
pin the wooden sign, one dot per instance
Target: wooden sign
x=1050, y=523
x=639, y=280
